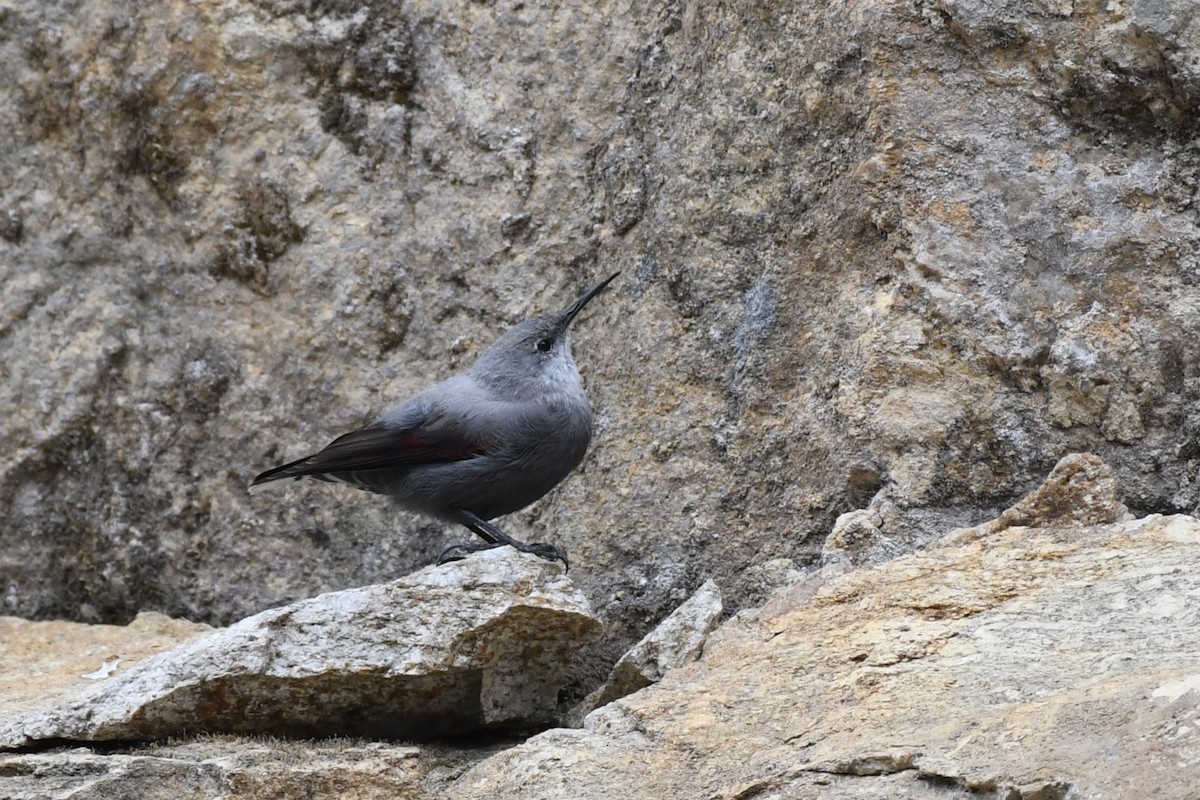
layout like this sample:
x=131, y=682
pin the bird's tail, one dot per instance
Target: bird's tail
x=296, y=470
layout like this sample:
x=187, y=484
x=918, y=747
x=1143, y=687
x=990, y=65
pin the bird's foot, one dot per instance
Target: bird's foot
x=457, y=552
x=547, y=551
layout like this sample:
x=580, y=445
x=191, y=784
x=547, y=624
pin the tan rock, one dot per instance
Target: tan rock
x=1080, y=490
x=677, y=640
x=1035, y=663
x=47, y=659
x=1048, y=663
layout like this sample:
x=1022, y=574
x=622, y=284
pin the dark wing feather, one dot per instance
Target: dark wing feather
x=382, y=446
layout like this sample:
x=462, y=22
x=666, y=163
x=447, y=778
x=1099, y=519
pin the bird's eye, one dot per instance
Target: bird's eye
x=544, y=345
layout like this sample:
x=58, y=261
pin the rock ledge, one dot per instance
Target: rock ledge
x=478, y=644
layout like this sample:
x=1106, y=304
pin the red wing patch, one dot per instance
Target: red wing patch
x=412, y=444
x=380, y=447
x=431, y=441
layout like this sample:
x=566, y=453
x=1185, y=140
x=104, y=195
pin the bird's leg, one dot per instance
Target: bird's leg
x=494, y=537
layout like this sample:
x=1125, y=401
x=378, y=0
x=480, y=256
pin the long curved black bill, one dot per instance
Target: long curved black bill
x=578, y=305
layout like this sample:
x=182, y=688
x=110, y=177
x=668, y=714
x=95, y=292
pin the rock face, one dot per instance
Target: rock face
x=1080, y=490
x=874, y=248
x=1033, y=663
x=480, y=644
x=883, y=257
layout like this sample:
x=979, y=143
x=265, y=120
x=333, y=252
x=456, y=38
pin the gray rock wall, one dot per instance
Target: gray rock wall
x=914, y=251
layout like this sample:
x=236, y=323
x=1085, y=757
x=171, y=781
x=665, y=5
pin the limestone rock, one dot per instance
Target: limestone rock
x=474, y=645
x=678, y=640
x=1036, y=663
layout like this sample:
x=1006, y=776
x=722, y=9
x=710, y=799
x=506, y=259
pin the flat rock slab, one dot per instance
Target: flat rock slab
x=1047, y=663
x=57, y=659
x=236, y=768
x=477, y=644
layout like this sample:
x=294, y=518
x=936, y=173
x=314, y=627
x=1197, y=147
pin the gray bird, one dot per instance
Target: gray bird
x=484, y=443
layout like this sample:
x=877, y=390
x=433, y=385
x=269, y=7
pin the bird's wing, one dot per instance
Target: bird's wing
x=422, y=434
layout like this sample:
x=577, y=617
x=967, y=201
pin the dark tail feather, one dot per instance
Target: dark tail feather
x=296, y=469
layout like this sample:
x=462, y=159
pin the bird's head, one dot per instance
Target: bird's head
x=532, y=360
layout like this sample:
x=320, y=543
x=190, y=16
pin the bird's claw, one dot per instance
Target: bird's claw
x=547, y=551
x=457, y=552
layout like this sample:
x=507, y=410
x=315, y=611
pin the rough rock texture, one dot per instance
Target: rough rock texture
x=678, y=640
x=1026, y=664
x=1080, y=490
x=920, y=249
x=1034, y=663
x=39, y=660
x=474, y=645
x=864, y=536
x=229, y=768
